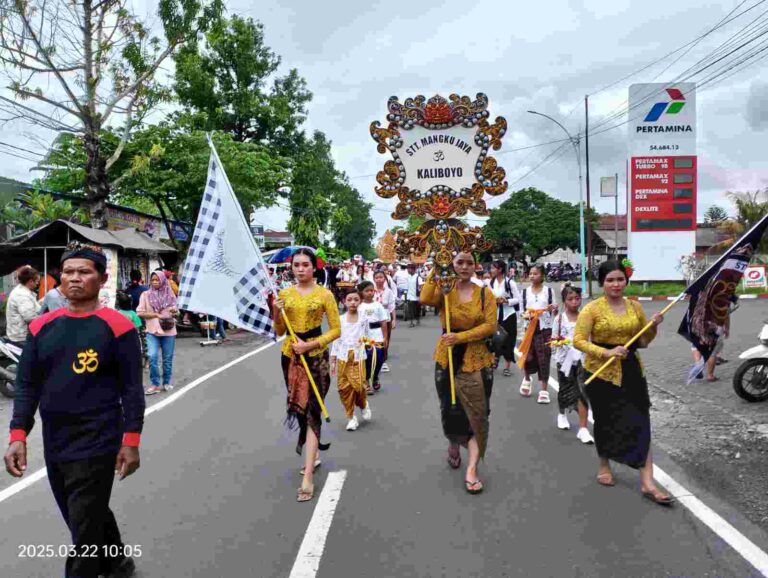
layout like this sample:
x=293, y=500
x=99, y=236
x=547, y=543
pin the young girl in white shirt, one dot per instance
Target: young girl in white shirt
x=388, y=300
x=377, y=319
x=568, y=359
x=538, y=303
x=348, y=362
x=508, y=301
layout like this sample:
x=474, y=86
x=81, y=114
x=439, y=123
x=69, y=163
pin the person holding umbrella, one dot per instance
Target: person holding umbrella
x=472, y=311
x=306, y=305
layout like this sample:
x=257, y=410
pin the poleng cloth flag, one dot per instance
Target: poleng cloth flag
x=224, y=273
x=712, y=294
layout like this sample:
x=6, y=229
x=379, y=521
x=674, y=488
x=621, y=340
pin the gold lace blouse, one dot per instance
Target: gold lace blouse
x=598, y=323
x=469, y=322
x=305, y=312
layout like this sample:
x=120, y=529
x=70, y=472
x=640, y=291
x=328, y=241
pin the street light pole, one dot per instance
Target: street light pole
x=576, y=143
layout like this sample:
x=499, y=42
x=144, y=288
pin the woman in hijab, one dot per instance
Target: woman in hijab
x=158, y=308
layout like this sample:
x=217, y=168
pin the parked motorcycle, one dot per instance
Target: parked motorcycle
x=750, y=382
x=9, y=362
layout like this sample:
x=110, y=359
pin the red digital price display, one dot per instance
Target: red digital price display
x=663, y=193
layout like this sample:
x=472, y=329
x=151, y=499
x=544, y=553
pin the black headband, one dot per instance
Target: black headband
x=86, y=252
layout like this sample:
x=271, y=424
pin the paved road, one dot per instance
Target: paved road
x=216, y=492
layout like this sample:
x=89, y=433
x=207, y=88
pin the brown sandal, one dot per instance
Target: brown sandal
x=659, y=498
x=606, y=479
x=305, y=494
x=453, y=458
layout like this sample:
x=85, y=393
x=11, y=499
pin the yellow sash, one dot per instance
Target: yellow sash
x=525, y=345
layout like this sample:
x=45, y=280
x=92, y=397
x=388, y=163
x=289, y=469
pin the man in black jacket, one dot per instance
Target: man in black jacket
x=81, y=367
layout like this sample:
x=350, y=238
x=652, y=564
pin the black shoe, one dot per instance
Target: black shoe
x=125, y=569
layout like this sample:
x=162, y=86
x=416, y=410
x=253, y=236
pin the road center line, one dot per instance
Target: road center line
x=706, y=515
x=311, y=550
x=38, y=475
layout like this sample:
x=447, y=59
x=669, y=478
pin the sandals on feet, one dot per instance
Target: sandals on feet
x=473, y=487
x=305, y=494
x=606, y=479
x=525, y=389
x=657, y=497
x=507, y=372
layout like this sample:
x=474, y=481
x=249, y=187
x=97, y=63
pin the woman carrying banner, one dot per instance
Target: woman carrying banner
x=619, y=396
x=508, y=302
x=473, y=319
x=305, y=305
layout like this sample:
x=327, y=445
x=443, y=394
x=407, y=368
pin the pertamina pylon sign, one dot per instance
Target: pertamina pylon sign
x=661, y=224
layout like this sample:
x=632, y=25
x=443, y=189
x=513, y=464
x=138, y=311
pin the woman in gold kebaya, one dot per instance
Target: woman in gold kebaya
x=472, y=319
x=305, y=305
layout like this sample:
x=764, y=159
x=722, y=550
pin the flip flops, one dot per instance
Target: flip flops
x=659, y=499
x=305, y=494
x=473, y=488
x=606, y=479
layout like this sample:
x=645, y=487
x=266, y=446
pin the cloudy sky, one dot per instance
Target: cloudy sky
x=542, y=56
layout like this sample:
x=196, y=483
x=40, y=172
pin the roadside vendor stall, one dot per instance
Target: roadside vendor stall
x=126, y=249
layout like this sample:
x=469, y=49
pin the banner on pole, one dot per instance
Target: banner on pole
x=224, y=273
x=713, y=293
x=608, y=187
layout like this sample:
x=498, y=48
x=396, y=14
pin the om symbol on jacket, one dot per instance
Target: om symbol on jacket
x=86, y=361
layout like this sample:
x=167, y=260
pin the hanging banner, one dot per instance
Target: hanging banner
x=608, y=187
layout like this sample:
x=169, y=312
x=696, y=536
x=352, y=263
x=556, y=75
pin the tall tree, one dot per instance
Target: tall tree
x=76, y=64
x=310, y=193
x=532, y=224
x=351, y=223
x=750, y=208
x=163, y=169
x=715, y=214
x=222, y=83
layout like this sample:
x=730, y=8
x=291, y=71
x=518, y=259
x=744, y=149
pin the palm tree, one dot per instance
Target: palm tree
x=750, y=208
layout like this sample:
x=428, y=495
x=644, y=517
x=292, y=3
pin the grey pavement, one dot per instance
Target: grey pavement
x=215, y=495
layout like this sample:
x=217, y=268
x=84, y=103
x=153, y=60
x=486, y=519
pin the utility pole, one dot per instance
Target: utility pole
x=616, y=219
x=589, y=224
x=576, y=144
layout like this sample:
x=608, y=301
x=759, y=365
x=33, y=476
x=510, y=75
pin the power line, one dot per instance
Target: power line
x=21, y=149
x=4, y=152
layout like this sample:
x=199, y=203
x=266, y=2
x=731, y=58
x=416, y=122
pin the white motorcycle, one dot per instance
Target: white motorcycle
x=9, y=362
x=750, y=382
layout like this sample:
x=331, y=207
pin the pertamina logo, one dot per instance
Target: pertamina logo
x=666, y=108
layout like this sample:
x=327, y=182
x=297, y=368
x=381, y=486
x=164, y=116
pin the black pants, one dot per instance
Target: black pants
x=413, y=311
x=82, y=490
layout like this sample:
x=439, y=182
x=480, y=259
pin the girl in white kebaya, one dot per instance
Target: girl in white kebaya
x=568, y=358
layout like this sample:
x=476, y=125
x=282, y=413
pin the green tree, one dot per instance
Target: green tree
x=164, y=167
x=750, y=208
x=351, y=224
x=715, y=214
x=33, y=209
x=530, y=223
x=222, y=83
x=78, y=64
x=310, y=192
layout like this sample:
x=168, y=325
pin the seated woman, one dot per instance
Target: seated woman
x=473, y=319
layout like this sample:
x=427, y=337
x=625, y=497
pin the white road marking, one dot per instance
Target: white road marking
x=38, y=475
x=706, y=515
x=311, y=550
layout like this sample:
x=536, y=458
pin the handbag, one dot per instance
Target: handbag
x=167, y=323
x=494, y=343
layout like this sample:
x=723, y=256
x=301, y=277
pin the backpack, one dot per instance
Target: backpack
x=494, y=343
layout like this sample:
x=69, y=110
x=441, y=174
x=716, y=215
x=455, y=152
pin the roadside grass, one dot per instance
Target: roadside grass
x=672, y=289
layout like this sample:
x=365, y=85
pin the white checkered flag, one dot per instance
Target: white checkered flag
x=224, y=273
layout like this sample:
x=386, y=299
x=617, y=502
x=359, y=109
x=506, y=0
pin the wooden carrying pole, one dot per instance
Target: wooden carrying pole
x=306, y=368
x=635, y=338
x=450, y=350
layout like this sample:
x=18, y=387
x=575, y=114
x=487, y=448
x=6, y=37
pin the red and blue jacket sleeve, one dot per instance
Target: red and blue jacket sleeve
x=129, y=362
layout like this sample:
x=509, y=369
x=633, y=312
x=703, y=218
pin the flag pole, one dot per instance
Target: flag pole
x=635, y=338
x=450, y=349
x=272, y=287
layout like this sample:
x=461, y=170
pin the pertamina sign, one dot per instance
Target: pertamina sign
x=663, y=178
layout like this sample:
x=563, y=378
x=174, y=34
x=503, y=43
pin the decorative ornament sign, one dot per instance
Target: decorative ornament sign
x=441, y=169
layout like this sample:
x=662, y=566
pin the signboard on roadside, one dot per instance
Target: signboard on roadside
x=661, y=224
x=754, y=277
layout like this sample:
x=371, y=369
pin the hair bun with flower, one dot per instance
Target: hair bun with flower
x=628, y=267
